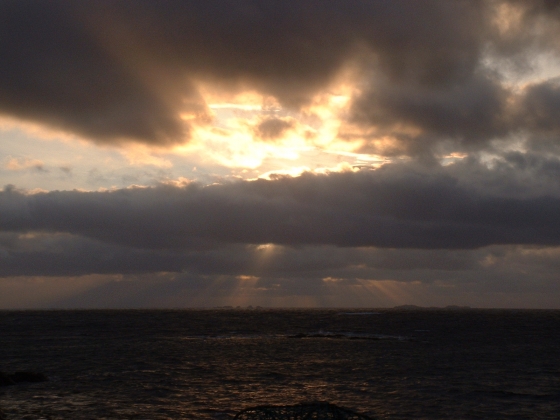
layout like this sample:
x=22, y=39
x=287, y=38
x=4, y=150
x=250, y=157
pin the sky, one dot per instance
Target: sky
x=293, y=153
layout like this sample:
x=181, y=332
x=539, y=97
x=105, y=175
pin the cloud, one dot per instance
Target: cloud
x=273, y=128
x=15, y=164
x=472, y=113
x=42, y=254
x=130, y=71
x=428, y=81
x=60, y=270
x=67, y=255
x=306, y=276
x=540, y=107
x=396, y=206
x=62, y=75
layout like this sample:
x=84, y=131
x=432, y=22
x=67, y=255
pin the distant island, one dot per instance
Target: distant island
x=447, y=308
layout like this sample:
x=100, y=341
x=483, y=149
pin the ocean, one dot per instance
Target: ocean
x=210, y=364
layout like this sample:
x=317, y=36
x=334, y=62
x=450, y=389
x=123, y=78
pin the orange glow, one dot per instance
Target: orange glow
x=14, y=164
x=231, y=139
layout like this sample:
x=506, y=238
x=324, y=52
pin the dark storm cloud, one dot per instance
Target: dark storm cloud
x=131, y=277
x=497, y=270
x=399, y=206
x=55, y=71
x=125, y=70
x=68, y=255
x=476, y=106
x=540, y=107
x=472, y=112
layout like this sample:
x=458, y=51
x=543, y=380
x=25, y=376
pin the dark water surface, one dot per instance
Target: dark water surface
x=390, y=364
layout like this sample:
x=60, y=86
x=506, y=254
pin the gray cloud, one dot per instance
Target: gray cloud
x=126, y=70
x=397, y=206
x=272, y=128
x=51, y=270
x=60, y=74
x=68, y=255
x=472, y=112
x=492, y=274
x=540, y=107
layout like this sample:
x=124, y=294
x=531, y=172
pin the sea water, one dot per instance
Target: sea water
x=209, y=364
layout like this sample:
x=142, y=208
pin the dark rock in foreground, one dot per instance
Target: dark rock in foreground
x=7, y=379
x=315, y=411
